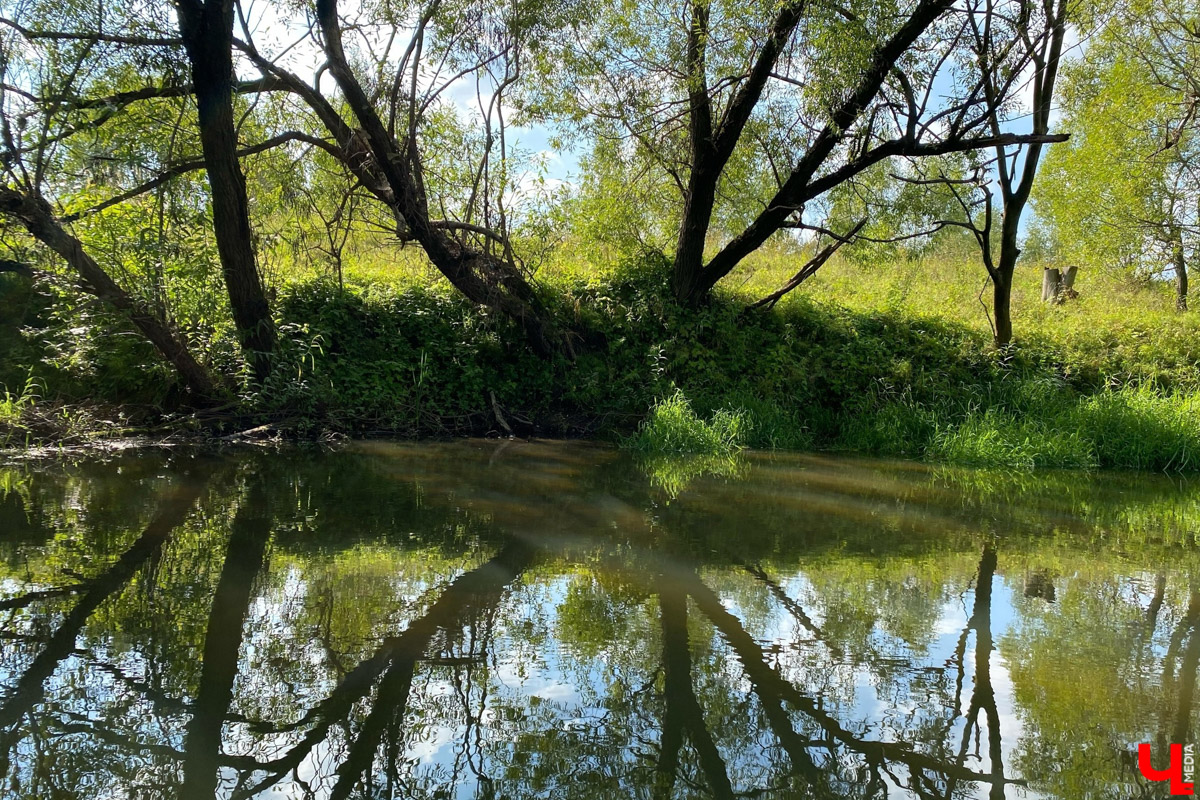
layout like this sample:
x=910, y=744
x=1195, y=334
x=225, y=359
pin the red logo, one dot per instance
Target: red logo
x=1173, y=773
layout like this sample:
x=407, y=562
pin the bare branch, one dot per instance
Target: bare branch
x=810, y=268
x=108, y=38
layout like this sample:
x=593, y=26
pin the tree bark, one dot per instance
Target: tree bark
x=1181, y=273
x=206, y=27
x=707, y=163
x=36, y=216
x=1051, y=283
x=1002, y=310
x=693, y=233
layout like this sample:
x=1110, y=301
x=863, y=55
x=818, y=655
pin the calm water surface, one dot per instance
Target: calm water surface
x=536, y=620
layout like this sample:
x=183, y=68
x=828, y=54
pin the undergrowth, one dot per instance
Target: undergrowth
x=673, y=427
x=856, y=362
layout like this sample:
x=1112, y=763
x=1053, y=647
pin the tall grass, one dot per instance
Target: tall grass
x=1125, y=428
x=14, y=408
x=673, y=427
x=1140, y=429
x=995, y=438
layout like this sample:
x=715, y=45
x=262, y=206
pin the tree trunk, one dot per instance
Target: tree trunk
x=1002, y=275
x=1068, y=282
x=711, y=148
x=1181, y=275
x=37, y=217
x=482, y=277
x=207, y=31
x=1002, y=307
x=1016, y=195
x=687, y=278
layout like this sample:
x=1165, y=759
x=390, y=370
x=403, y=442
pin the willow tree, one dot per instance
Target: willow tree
x=72, y=75
x=371, y=97
x=46, y=77
x=757, y=110
x=374, y=89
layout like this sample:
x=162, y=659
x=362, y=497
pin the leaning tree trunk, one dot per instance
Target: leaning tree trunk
x=481, y=276
x=207, y=31
x=35, y=215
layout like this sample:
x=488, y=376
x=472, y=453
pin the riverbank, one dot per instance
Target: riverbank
x=839, y=368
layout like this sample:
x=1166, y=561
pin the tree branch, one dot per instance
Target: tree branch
x=198, y=164
x=108, y=38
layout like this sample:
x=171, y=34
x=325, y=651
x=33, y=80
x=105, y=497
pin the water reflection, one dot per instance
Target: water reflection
x=475, y=620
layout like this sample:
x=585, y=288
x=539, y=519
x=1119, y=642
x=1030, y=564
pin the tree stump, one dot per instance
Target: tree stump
x=1051, y=282
x=1058, y=286
x=1040, y=584
x=1066, y=291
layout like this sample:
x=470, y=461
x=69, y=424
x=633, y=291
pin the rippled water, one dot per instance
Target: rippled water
x=521, y=620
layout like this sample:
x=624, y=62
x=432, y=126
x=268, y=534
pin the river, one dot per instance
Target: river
x=484, y=619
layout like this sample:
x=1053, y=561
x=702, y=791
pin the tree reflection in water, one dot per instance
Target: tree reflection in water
x=447, y=620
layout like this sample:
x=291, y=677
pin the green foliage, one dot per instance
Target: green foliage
x=13, y=407
x=901, y=367
x=673, y=427
x=1117, y=195
x=673, y=472
x=995, y=438
x=1141, y=429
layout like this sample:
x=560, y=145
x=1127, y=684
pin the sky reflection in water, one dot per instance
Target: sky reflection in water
x=488, y=619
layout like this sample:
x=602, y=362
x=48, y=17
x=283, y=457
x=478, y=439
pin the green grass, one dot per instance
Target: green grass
x=994, y=438
x=1127, y=428
x=672, y=473
x=1118, y=330
x=14, y=407
x=673, y=427
x=1142, y=429
x=891, y=360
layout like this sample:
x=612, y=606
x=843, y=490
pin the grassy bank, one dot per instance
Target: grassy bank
x=890, y=362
